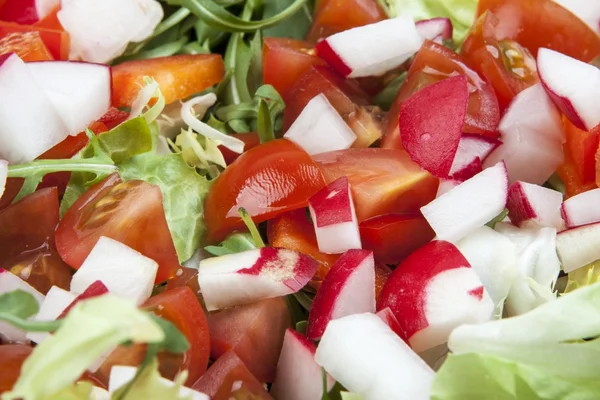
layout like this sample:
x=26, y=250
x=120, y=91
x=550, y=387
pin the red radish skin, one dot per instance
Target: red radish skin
x=431, y=123
x=446, y=185
x=55, y=302
x=387, y=316
x=582, y=209
x=472, y=150
x=348, y=288
x=327, y=53
x=436, y=29
x=531, y=205
x=94, y=290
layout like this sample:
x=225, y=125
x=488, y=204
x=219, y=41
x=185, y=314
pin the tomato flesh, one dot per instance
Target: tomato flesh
x=130, y=212
x=178, y=76
x=582, y=146
x=268, y=180
x=57, y=41
x=254, y=332
x=12, y=357
x=27, y=45
x=250, y=140
x=186, y=277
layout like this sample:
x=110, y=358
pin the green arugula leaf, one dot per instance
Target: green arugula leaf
x=556, y=183
x=264, y=122
x=234, y=243
x=295, y=27
x=301, y=327
x=386, y=97
x=19, y=304
x=498, y=218
x=247, y=219
x=298, y=313
x=174, y=340
x=304, y=299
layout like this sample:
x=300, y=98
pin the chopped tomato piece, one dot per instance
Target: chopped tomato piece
x=543, y=23
x=113, y=117
x=582, y=146
x=333, y=16
x=186, y=277
x=433, y=63
x=294, y=231
x=27, y=45
x=392, y=237
x=229, y=378
x=51, y=21
x=178, y=76
x=345, y=95
x=130, y=212
x=509, y=67
x=57, y=41
x=383, y=181
x=12, y=357
x=250, y=140
x=285, y=60
x=181, y=307
x=382, y=273
x=267, y=181
x=574, y=185
x=254, y=332
x=27, y=241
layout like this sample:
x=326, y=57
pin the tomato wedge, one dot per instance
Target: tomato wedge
x=543, y=23
x=51, y=21
x=268, y=180
x=383, y=181
x=27, y=241
x=181, y=307
x=27, y=45
x=130, y=212
x=582, y=146
x=250, y=140
x=186, y=277
x=178, y=76
x=509, y=67
x=57, y=41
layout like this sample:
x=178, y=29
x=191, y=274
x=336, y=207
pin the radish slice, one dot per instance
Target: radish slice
x=124, y=271
x=362, y=353
x=371, y=50
x=56, y=301
x=534, y=206
x=582, y=209
x=3, y=175
x=26, y=12
x=120, y=375
x=29, y=123
x=348, y=288
x=94, y=290
x=433, y=291
x=436, y=29
x=573, y=85
x=80, y=92
x=472, y=150
x=468, y=206
x=254, y=275
x=320, y=128
x=446, y=185
x=387, y=316
x=298, y=376
x=432, y=120
x=577, y=247
x=8, y=283
x=334, y=218
x=587, y=11
x=532, y=137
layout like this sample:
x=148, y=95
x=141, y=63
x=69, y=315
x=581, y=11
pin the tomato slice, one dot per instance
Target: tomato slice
x=333, y=16
x=27, y=241
x=268, y=180
x=27, y=45
x=130, y=212
x=433, y=63
x=383, y=181
x=574, y=185
x=113, y=117
x=186, y=277
x=229, y=378
x=12, y=357
x=509, y=67
x=345, y=95
x=57, y=41
x=254, y=332
x=582, y=146
x=51, y=21
x=392, y=237
x=178, y=76
x=543, y=23
x=250, y=140
x=181, y=307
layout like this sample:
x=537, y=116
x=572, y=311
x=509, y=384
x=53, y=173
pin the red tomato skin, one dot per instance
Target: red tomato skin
x=130, y=212
x=250, y=140
x=582, y=146
x=113, y=117
x=27, y=45
x=19, y=11
x=254, y=332
x=186, y=277
x=543, y=23
x=12, y=357
x=57, y=41
x=227, y=373
x=268, y=180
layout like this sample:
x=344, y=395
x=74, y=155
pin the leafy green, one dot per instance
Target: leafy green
x=247, y=219
x=556, y=183
x=200, y=152
x=301, y=327
x=264, y=122
x=174, y=341
x=460, y=12
x=76, y=391
x=584, y=276
x=351, y=396
x=386, y=97
x=498, y=218
x=295, y=27
x=234, y=243
x=298, y=313
x=19, y=304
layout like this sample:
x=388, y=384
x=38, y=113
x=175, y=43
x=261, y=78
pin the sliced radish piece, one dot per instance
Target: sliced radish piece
x=3, y=175
x=433, y=291
x=29, y=123
x=531, y=205
x=124, y=271
x=348, y=288
x=253, y=275
x=531, y=135
x=26, y=12
x=8, y=283
x=472, y=150
x=298, y=376
x=80, y=92
x=120, y=375
x=94, y=290
x=371, y=50
x=54, y=304
x=436, y=29
x=586, y=10
x=446, y=185
x=582, y=209
x=577, y=247
x=320, y=128
x=88, y=22
x=387, y=316
x=573, y=85
x=334, y=218
x=470, y=205
x=431, y=122
x=362, y=353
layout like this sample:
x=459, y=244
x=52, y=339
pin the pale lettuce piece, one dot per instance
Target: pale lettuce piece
x=151, y=90
x=90, y=329
x=350, y=396
x=584, y=276
x=200, y=152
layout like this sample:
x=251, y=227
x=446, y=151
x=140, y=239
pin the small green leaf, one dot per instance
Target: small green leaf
x=264, y=122
x=18, y=303
x=555, y=183
x=499, y=218
x=301, y=327
x=295, y=27
x=258, y=242
x=298, y=313
x=386, y=97
x=174, y=340
x=234, y=243
x=304, y=299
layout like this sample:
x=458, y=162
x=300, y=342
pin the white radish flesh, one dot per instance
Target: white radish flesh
x=577, y=247
x=532, y=205
x=436, y=29
x=582, y=209
x=56, y=301
x=446, y=185
x=472, y=150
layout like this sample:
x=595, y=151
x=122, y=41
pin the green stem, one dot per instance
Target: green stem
x=43, y=167
x=258, y=242
x=171, y=21
x=31, y=326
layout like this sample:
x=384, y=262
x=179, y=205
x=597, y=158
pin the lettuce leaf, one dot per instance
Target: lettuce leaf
x=584, y=276
x=234, y=243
